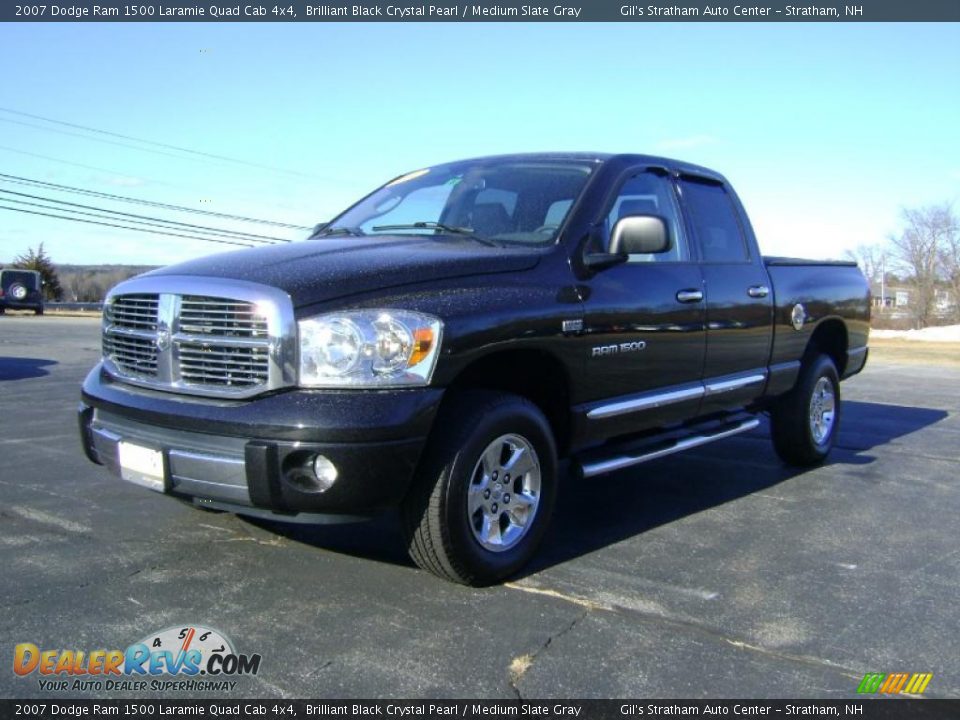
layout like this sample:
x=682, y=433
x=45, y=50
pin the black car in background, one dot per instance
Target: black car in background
x=21, y=290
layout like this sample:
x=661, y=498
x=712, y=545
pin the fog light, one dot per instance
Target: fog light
x=325, y=471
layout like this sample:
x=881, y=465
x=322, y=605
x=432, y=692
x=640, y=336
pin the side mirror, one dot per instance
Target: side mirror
x=319, y=228
x=639, y=235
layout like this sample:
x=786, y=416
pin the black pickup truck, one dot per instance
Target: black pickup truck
x=442, y=344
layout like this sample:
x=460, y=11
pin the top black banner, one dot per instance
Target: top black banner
x=484, y=11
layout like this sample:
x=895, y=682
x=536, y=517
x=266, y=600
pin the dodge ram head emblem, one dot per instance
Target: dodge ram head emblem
x=164, y=337
x=798, y=316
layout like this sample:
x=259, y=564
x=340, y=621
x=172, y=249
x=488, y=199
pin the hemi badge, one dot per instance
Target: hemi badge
x=572, y=326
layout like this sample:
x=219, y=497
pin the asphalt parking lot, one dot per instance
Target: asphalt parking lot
x=718, y=573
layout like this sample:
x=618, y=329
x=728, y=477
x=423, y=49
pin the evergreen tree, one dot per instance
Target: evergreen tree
x=39, y=260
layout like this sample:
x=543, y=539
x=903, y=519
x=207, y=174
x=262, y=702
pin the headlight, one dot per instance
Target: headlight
x=368, y=348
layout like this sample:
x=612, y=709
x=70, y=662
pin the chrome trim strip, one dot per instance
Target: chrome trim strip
x=721, y=386
x=645, y=403
x=788, y=366
x=206, y=457
x=167, y=307
x=224, y=340
x=618, y=463
x=277, y=307
x=130, y=332
x=710, y=387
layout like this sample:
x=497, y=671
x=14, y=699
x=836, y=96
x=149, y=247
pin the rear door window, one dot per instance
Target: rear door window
x=715, y=222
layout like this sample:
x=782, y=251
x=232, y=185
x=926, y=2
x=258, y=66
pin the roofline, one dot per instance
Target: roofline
x=679, y=166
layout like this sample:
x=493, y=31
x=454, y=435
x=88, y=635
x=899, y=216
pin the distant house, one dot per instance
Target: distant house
x=943, y=300
x=890, y=296
x=897, y=297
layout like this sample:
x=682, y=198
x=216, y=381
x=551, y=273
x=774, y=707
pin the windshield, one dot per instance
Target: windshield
x=499, y=201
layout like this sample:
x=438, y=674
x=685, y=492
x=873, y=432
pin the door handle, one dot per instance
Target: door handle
x=758, y=291
x=689, y=296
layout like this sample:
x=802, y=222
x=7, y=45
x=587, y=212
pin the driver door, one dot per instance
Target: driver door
x=644, y=321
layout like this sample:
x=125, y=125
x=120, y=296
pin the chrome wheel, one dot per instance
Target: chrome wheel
x=504, y=493
x=822, y=410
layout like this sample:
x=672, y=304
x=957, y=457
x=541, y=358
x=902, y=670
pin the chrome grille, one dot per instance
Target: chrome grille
x=135, y=312
x=134, y=355
x=203, y=364
x=234, y=344
x=216, y=316
x=130, y=344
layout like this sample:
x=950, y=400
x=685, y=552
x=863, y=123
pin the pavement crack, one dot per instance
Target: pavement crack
x=522, y=663
x=590, y=605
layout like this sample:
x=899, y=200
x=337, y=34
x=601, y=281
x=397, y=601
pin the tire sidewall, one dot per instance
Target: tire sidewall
x=823, y=367
x=520, y=418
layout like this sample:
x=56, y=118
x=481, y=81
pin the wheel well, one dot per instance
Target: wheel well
x=535, y=375
x=830, y=338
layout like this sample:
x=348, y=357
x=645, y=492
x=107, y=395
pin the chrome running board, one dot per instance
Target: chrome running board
x=618, y=462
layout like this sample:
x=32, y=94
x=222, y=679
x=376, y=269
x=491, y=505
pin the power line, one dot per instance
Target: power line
x=204, y=228
x=138, y=176
x=17, y=179
x=94, y=139
x=107, y=217
x=168, y=146
x=161, y=224
x=127, y=227
x=79, y=165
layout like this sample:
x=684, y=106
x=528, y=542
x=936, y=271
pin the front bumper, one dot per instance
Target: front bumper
x=247, y=456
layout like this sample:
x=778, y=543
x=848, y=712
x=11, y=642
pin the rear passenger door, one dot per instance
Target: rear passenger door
x=738, y=295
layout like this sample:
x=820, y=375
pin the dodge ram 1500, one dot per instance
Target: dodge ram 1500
x=440, y=346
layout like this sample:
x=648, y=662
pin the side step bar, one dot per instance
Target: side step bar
x=618, y=462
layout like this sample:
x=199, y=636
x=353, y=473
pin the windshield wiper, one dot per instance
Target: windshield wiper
x=340, y=230
x=439, y=227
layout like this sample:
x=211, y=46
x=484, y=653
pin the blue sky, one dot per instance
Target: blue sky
x=826, y=130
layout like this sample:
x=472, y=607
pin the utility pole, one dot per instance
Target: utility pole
x=883, y=282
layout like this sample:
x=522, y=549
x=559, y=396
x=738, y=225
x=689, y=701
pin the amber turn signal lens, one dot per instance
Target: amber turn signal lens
x=422, y=342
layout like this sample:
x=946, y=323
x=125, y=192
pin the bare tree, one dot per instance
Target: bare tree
x=950, y=264
x=872, y=260
x=919, y=249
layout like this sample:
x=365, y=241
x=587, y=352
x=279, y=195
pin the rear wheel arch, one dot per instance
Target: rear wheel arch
x=829, y=338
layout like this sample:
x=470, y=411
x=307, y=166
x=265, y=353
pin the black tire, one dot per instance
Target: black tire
x=440, y=532
x=794, y=433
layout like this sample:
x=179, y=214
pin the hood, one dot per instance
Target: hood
x=314, y=271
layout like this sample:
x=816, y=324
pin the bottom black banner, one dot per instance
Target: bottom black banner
x=892, y=708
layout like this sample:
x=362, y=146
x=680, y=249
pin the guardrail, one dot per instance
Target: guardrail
x=82, y=307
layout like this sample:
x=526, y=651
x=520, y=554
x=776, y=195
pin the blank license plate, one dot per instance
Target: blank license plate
x=142, y=465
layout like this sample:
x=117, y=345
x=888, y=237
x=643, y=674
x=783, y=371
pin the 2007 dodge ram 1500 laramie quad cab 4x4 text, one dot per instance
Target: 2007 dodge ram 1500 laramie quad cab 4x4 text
x=442, y=343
